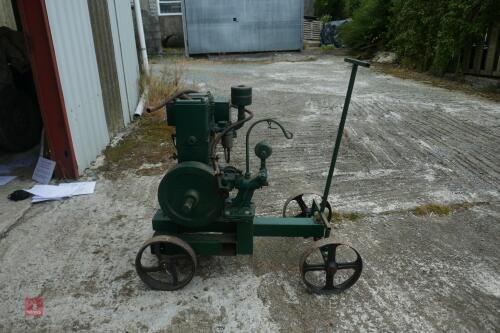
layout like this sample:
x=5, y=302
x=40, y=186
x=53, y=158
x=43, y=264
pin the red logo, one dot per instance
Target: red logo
x=33, y=306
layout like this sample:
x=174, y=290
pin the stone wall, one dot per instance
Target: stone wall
x=151, y=24
x=172, y=29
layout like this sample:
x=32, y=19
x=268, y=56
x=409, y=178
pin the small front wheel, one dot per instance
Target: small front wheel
x=170, y=265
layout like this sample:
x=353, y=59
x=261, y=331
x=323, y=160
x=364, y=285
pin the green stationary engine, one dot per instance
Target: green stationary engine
x=195, y=193
x=206, y=204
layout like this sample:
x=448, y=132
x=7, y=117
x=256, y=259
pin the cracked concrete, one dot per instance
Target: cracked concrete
x=406, y=144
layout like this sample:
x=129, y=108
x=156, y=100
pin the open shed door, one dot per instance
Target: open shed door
x=74, y=48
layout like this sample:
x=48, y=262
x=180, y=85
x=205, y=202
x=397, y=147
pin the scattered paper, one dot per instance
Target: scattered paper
x=61, y=191
x=4, y=180
x=43, y=170
x=36, y=199
x=80, y=188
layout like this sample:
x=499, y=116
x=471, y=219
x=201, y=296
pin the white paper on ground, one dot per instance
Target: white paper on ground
x=36, y=199
x=61, y=191
x=81, y=187
x=4, y=180
x=50, y=191
x=43, y=170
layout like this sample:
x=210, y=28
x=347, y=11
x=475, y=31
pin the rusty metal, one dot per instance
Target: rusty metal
x=167, y=264
x=182, y=95
x=305, y=210
x=330, y=266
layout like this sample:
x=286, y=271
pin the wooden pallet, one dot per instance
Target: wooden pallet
x=312, y=30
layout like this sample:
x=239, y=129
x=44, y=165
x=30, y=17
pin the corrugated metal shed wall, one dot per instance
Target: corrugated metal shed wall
x=243, y=25
x=7, y=15
x=76, y=60
x=122, y=28
x=120, y=70
x=106, y=62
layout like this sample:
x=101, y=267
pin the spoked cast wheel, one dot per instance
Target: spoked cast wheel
x=300, y=205
x=330, y=268
x=166, y=271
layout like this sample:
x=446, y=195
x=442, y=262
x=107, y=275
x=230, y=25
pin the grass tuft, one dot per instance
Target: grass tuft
x=164, y=85
x=327, y=48
x=149, y=143
x=432, y=209
x=346, y=216
x=147, y=149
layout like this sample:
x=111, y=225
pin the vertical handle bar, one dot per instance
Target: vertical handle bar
x=355, y=63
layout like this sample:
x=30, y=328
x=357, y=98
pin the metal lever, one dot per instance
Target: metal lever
x=340, y=132
x=357, y=62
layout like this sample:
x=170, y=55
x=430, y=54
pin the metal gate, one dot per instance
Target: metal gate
x=219, y=26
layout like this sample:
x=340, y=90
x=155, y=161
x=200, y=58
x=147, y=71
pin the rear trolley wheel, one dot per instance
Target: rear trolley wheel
x=323, y=272
x=304, y=207
x=170, y=267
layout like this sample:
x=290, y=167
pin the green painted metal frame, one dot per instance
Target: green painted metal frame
x=287, y=227
x=235, y=236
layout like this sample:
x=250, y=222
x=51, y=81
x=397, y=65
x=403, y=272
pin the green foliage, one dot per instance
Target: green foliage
x=325, y=18
x=426, y=34
x=327, y=48
x=369, y=27
x=328, y=7
x=464, y=23
x=414, y=30
x=350, y=6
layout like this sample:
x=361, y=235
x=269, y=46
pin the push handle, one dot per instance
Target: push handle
x=357, y=62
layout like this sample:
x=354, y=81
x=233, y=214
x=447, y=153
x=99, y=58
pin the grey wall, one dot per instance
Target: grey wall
x=243, y=25
x=127, y=60
x=152, y=32
x=309, y=7
x=105, y=55
x=172, y=26
x=151, y=25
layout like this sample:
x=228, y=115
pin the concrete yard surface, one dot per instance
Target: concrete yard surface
x=406, y=144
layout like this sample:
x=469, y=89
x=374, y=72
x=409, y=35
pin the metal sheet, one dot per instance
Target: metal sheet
x=106, y=62
x=243, y=25
x=122, y=28
x=77, y=66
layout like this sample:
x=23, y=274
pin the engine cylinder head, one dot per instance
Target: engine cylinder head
x=241, y=96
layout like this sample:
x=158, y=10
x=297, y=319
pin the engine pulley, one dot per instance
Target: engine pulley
x=189, y=194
